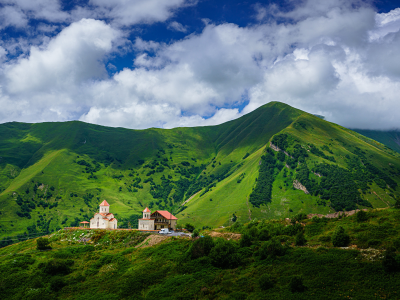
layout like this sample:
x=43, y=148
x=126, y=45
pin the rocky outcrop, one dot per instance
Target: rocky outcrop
x=273, y=147
x=317, y=174
x=336, y=214
x=297, y=185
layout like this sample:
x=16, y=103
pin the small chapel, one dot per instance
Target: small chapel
x=104, y=219
x=157, y=220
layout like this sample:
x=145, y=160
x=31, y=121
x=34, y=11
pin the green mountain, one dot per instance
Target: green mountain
x=260, y=260
x=390, y=138
x=54, y=175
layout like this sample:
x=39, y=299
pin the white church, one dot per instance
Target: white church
x=104, y=219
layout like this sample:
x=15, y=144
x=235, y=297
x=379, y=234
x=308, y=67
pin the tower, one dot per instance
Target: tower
x=104, y=207
x=146, y=213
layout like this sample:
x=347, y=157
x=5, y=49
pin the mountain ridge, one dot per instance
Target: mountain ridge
x=79, y=163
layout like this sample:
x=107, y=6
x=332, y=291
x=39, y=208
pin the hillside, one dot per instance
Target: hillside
x=390, y=138
x=353, y=257
x=54, y=175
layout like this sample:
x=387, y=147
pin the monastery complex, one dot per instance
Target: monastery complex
x=151, y=221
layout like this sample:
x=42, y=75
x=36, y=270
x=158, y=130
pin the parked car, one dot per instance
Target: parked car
x=165, y=231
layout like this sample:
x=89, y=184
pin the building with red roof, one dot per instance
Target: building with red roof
x=104, y=219
x=157, y=220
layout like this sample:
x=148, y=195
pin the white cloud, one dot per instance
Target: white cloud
x=177, y=26
x=125, y=13
x=69, y=59
x=12, y=16
x=322, y=60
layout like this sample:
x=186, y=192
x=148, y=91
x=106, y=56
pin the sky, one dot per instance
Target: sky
x=172, y=63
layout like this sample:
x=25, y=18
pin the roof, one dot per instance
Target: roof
x=101, y=214
x=166, y=214
x=85, y=222
x=104, y=203
x=147, y=209
x=112, y=219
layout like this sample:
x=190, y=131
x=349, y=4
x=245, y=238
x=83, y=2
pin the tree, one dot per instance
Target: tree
x=361, y=216
x=245, y=241
x=397, y=204
x=296, y=284
x=300, y=239
x=43, y=244
x=340, y=238
x=266, y=282
x=189, y=227
x=201, y=247
x=224, y=254
x=389, y=262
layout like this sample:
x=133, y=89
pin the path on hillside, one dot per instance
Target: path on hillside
x=191, y=197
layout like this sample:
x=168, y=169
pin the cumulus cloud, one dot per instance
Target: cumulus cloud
x=70, y=58
x=335, y=58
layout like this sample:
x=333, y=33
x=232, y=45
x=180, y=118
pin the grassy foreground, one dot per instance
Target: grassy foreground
x=267, y=262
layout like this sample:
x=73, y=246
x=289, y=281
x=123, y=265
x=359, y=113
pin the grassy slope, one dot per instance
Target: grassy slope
x=110, y=267
x=47, y=153
x=389, y=138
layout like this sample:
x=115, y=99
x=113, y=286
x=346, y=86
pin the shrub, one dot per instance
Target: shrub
x=245, y=241
x=195, y=233
x=340, y=238
x=253, y=232
x=57, y=266
x=237, y=226
x=296, y=284
x=43, y=244
x=272, y=248
x=397, y=203
x=56, y=283
x=189, y=227
x=264, y=235
x=201, y=247
x=389, y=262
x=300, y=239
x=361, y=216
x=224, y=254
x=266, y=282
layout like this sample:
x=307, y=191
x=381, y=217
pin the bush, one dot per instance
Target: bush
x=201, y=247
x=56, y=266
x=300, y=239
x=361, y=216
x=266, y=282
x=397, y=203
x=245, y=241
x=389, y=262
x=189, y=227
x=264, y=235
x=56, y=283
x=340, y=238
x=224, y=254
x=296, y=284
x=272, y=248
x=43, y=244
x=195, y=233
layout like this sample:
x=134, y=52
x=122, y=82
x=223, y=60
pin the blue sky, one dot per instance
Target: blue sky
x=169, y=63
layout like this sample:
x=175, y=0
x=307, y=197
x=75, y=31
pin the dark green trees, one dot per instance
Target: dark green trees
x=340, y=238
